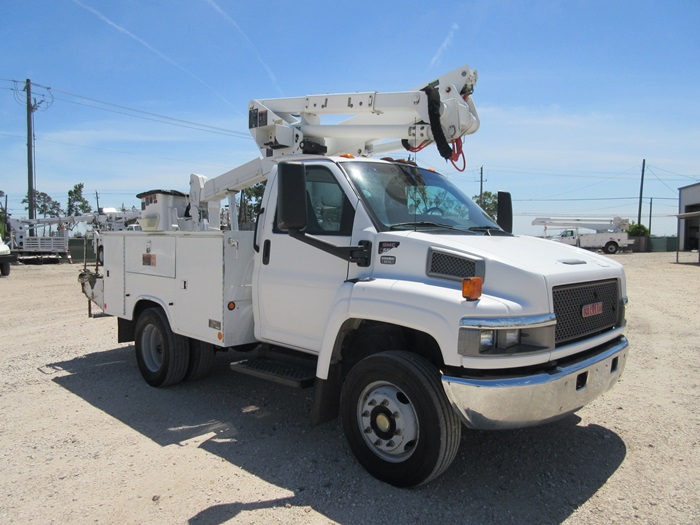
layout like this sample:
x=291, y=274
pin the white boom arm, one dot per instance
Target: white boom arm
x=616, y=224
x=203, y=190
x=441, y=111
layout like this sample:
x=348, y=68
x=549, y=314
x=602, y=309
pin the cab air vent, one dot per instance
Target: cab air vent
x=450, y=266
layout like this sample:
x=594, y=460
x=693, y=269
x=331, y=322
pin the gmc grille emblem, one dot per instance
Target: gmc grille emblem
x=592, y=309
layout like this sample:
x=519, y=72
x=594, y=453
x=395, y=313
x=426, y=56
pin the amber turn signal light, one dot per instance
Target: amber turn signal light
x=471, y=288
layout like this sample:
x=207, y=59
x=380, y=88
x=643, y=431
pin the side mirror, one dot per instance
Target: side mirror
x=291, y=196
x=504, y=213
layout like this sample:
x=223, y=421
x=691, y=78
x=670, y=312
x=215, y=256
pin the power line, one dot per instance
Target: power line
x=572, y=200
x=581, y=174
x=134, y=112
x=198, y=163
x=96, y=148
x=195, y=126
x=149, y=113
x=555, y=171
x=692, y=177
x=674, y=190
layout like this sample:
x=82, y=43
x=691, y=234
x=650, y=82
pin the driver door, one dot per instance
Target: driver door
x=296, y=284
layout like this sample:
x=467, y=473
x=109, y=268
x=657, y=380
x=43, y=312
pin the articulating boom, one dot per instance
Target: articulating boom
x=440, y=112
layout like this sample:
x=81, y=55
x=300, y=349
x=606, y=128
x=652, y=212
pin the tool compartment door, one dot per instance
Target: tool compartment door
x=198, y=305
x=113, y=250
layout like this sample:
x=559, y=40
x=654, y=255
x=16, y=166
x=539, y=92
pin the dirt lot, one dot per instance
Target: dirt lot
x=83, y=439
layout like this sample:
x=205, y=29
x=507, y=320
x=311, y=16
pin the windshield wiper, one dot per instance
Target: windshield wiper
x=488, y=230
x=404, y=225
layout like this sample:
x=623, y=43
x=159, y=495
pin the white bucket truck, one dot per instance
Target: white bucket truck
x=378, y=282
x=610, y=234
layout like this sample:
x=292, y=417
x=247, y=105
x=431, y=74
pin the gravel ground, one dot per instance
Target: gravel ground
x=83, y=439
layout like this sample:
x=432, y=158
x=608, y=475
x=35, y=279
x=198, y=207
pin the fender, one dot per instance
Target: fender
x=340, y=313
x=433, y=310
x=126, y=326
x=150, y=299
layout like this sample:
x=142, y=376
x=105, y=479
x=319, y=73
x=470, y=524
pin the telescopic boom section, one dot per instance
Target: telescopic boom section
x=440, y=111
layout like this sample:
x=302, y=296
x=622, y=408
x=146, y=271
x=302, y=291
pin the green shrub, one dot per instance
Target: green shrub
x=638, y=230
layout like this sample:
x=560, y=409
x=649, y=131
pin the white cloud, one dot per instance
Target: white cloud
x=446, y=43
x=145, y=44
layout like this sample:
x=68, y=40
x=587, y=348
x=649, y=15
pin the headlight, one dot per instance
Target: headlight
x=487, y=340
x=485, y=337
x=508, y=338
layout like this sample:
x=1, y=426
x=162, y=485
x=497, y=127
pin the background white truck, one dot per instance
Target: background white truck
x=410, y=311
x=610, y=234
x=28, y=237
x=6, y=259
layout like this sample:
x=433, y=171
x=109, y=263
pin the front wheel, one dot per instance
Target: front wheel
x=5, y=269
x=162, y=355
x=397, y=419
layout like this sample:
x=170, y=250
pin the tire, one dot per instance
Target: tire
x=162, y=356
x=101, y=255
x=5, y=269
x=611, y=248
x=201, y=359
x=414, y=447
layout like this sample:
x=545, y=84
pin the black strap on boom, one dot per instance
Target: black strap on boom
x=434, y=104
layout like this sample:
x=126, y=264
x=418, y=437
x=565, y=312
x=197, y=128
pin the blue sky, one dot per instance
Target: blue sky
x=572, y=95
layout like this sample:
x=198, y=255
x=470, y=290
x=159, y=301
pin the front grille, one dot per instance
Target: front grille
x=446, y=265
x=570, y=302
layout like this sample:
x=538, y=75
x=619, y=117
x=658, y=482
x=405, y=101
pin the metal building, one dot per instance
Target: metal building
x=689, y=223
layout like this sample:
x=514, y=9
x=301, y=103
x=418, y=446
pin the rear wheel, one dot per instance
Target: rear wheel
x=201, y=359
x=611, y=247
x=162, y=356
x=397, y=419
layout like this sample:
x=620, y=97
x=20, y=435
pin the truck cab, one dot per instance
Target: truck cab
x=568, y=236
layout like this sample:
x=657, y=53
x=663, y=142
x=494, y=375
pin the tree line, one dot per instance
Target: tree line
x=46, y=206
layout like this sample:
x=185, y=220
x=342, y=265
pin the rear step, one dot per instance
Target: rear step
x=287, y=370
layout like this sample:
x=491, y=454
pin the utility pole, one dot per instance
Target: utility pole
x=97, y=198
x=32, y=105
x=641, y=192
x=4, y=219
x=481, y=185
x=30, y=151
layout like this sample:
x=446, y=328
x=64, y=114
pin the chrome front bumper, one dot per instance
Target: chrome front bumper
x=514, y=402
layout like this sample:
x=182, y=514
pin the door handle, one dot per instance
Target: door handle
x=255, y=234
x=266, y=252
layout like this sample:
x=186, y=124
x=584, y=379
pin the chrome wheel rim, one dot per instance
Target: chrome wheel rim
x=388, y=421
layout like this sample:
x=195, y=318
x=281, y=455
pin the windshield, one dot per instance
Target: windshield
x=407, y=197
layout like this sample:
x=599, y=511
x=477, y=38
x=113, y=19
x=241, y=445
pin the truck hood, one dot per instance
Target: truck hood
x=555, y=261
x=520, y=270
